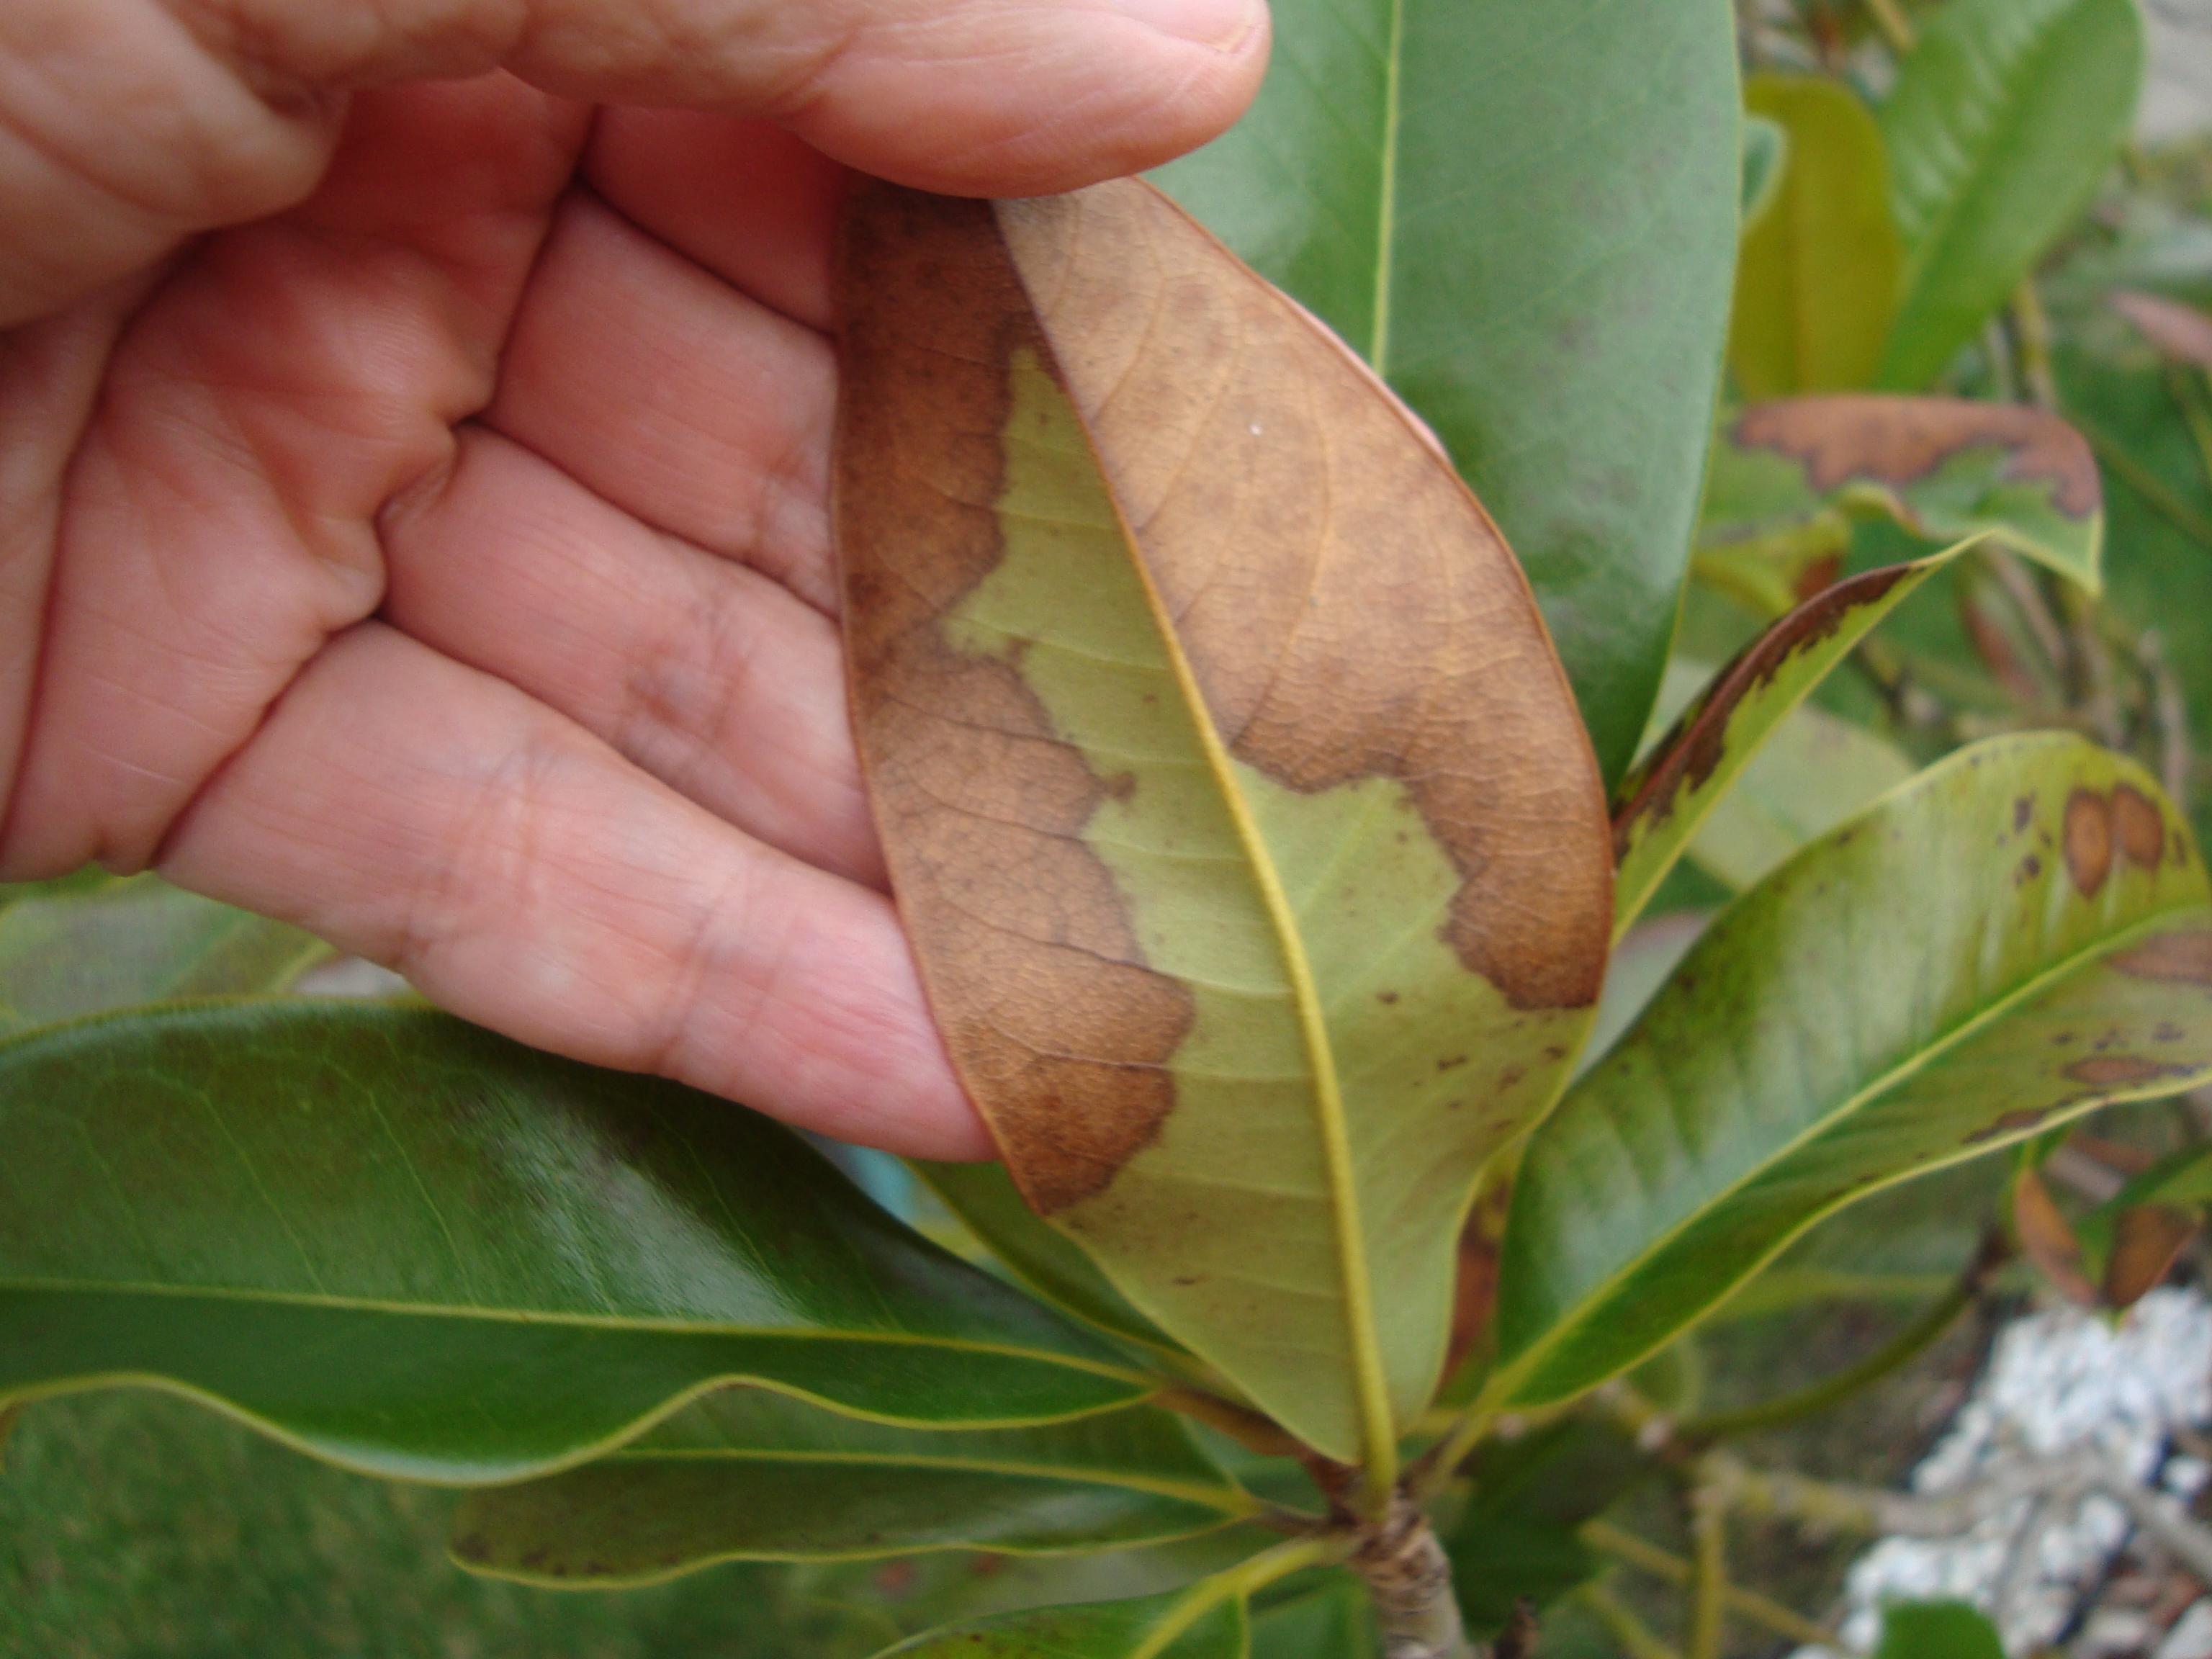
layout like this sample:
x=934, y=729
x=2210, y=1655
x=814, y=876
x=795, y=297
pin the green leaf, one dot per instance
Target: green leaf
x=987, y=1203
x=1765, y=154
x=1520, y=1535
x=2022, y=934
x=745, y=1475
x=1673, y=789
x=2004, y=117
x=1334, y=1619
x=2184, y=1176
x=1183, y=1624
x=1791, y=475
x=1525, y=218
x=416, y=1249
x=1234, y=800
x=1816, y=283
x=1937, y=1629
x=79, y=947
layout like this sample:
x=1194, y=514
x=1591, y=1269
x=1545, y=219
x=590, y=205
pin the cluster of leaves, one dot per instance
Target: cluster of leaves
x=1266, y=831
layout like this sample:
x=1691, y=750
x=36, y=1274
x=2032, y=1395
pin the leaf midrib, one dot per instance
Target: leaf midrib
x=1605, y=1290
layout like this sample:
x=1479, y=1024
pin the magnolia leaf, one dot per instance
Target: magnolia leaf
x=1814, y=771
x=1519, y=1536
x=1333, y=1618
x=2130, y=1241
x=747, y=1475
x=1235, y=803
x=1816, y=282
x=2022, y=934
x=82, y=947
x=1525, y=218
x=2180, y=1178
x=2179, y=331
x=1667, y=799
x=1792, y=473
x=1765, y=154
x=2003, y=118
x=416, y=1249
x=986, y=1202
x=1643, y=960
x=1183, y=1624
x=1937, y=1629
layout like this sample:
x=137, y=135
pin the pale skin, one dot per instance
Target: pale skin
x=413, y=434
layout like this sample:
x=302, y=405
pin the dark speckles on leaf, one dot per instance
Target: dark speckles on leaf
x=1121, y=786
x=1386, y=997
x=2028, y=869
x=2022, y=810
x=2166, y=1031
x=1448, y=1064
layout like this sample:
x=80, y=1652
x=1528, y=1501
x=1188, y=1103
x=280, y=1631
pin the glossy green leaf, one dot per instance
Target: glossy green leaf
x=2004, y=116
x=1816, y=283
x=1050, y=1263
x=1789, y=476
x=1937, y=1629
x=1183, y=1625
x=1234, y=800
x=1664, y=803
x=2023, y=933
x=78, y=947
x=746, y=1475
x=415, y=1249
x=1331, y=1618
x=1765, y=153
x=1525, y=216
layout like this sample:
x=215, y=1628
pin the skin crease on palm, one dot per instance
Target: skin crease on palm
x=413, y=441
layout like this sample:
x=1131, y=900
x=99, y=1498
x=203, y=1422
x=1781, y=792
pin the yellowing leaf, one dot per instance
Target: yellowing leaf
x=1234, y=798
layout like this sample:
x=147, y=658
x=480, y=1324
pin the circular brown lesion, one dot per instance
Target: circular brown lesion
x=2088, y=841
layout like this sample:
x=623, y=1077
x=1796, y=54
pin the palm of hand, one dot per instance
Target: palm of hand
x=444, y=565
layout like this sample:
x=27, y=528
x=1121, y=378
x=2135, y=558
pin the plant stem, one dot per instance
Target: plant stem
x=1248, y=1428
x=1647, y=1557
x=1635, y=1636
x=1708, y=1583
x=1409, y=1577
x=1899, y=1352
x=1237, y=1584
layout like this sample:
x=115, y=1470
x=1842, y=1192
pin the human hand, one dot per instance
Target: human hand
x=413, y=515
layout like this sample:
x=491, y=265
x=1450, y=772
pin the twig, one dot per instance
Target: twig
x=1635, y=1636
x=2162, y=1516
x=1408, y=1576
x=1709, y=1581
x=1248, y=1428
x=1647, y=1557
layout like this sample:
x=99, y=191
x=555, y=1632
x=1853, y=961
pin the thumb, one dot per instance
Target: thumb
x=126, y=126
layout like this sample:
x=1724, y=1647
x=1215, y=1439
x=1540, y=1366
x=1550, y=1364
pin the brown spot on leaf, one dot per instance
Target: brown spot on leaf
x=2022, y=810
x=2029, y=868
x=1386, y=997
x=2088, y=841
x=2024, y=1117
x=2183, y=956
x=2120, y=1071
x=1454, y=1060
x=2138, y=828
x=1900, y=441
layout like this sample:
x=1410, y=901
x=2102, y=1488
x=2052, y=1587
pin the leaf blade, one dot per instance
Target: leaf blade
x=1151, y=794
x=411, y=1248
x=1613, y=1248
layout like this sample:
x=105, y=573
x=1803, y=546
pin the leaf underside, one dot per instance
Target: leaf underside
x=1235, y=803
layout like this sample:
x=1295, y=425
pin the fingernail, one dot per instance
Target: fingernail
x=1223, y=25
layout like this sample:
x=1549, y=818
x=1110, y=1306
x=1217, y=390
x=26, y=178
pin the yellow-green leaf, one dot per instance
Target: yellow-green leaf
x=1817, y=279
x=1234, y=798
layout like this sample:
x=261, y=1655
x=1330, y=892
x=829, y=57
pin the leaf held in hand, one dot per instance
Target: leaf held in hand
x=1234, y=800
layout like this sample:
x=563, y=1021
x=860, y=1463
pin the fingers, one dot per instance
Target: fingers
x=703, y=674
x=219, y=521
x=126, y=126
x=701, y=411
x=434, y=819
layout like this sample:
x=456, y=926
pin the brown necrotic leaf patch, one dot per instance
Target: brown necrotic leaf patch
x=1695, y=745
x=1347, y=610
x=1898, y=441
x=1056, y=1024
x=2088, y=840
x=2185, y=957
x=2120, y=1071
